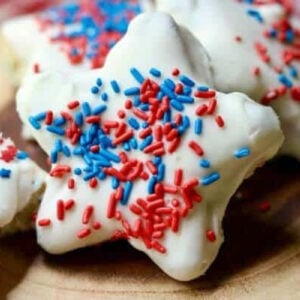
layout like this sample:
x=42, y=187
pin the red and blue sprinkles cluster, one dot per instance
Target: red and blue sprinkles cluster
x=288, y=36
x=87, y=30
x=9, y=154
x=152, y=120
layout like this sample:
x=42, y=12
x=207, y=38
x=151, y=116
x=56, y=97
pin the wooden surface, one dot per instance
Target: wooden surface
x=259, y=260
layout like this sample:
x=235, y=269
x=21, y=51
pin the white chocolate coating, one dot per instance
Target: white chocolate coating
x=20, y=187
x=216, y=23
x=164, y=46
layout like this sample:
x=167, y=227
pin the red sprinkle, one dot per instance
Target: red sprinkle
x=220, y=122
x=97, y=225
x=87, y=214
x=211, y=236
x=73, y=104
x=69, y=204
x=93, y=183
x=83, y=233
x=44, y=222
x=196, y=148
x=264, y=206
x=60, y=210
x=71, y=183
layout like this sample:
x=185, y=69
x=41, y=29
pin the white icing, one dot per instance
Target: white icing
x=216, y=23
x=25, y=179
x=153, y=40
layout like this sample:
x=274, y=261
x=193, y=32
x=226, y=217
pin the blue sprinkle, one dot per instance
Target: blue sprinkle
x=157, y=160
x=177, y=105
x=186, y=80
x=53, y=156
x=187, y=91
x=133, y=143
x=243, y=152
x=41, y=116
x=167, y=91
x=95, y=90
x=151, y=184
x=126, y=146
x=79, y=119
x=155, y=72
x=132, y=91
x=255, y=14
x=99, y=82
x=59, y=121
x=186, y=122
x=170, y=83
x=290, y=36
x=58, y=145
x=89, y=176
x=146, y=142
x=5, y=173
x=144, y=107
x=211, y=178
x=22, y=155
x=34, y=123
x=167, y=117
x=137, y=75
x=161, y=172
x=204, y=163
x=101, y=175
x=66, y=151
x=145, y=125
x=198, y=126
x=134, y=123
x=136, y=101
x=110, y=155
x=104, y=97
x=115, y=86
x=56, y=130
x=203, y=88
x=185, y=99
x=285, y=80
x=273, y=33
x=99, y=109
x=127, y=190
x=293, y=72
x=86, y=109
x=115, y=183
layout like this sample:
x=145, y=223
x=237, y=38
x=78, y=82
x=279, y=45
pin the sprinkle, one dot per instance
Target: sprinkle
x=34, y=123
x=127, y=190
x=60, y=210
x=205, y=164
x=44, y=222
x=211, y=178
x=73, y=104
x=87, y=214
x=95, y=90
x=115, y=86
x=241, y=153
x=56, y=130
x=186, y=80
x=198, y=126
x=36, y=68
x=137, y=75
x=96, y=225
x=264, y=206
x=69, y=204
x=22, y=155
x=196, y=148
x=219, y=120
x=155, y=72
x=211, y=236
x=83, y=233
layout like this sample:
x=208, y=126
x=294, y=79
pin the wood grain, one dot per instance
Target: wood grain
x=259, y=260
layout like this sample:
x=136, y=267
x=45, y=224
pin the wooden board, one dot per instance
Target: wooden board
x=259, y=260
